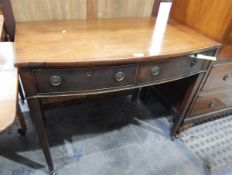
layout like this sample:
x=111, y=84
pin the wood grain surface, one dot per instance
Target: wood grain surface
x=104, y=42
x=31, y=10
x=211, y=17
x=8, y=88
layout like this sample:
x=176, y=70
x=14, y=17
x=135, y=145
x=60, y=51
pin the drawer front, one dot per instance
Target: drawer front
x=181, y=67
x=212, y=102
x=219, y=77
x=80, y=79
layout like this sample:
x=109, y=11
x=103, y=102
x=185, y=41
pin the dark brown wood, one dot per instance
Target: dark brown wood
x=220, y=77
x=36, y=114
x=191, y=93
x=174, y=100
x=209, y=116
x=23, y=126
x=208, y=102
x=9, y=21
x=104, y=42
x=155, y=8
x=180, y=67
x=84, y=79
x=84, y=46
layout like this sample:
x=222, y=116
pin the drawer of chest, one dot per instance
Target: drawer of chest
x=84, y=79
x=176, y=68
x=212, y=102
x=219, y=77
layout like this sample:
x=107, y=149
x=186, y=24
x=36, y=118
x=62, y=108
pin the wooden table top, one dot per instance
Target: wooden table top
x=104, y=42
x=9, y=85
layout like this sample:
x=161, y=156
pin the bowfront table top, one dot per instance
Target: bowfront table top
x=8, y=87
x=104, y=42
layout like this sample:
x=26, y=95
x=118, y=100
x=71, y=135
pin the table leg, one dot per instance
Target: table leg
x=135, y=96
x=21, y=92
x=36, y=113
x=22, y=122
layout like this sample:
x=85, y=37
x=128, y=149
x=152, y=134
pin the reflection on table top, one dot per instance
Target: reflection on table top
x=104, y=42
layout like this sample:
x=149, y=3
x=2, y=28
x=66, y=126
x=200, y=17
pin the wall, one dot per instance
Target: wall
x=37, y=10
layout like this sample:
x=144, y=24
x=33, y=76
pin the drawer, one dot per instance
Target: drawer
x=185, y=66
x=219, y=77
x=80, y=79
x=212, y=102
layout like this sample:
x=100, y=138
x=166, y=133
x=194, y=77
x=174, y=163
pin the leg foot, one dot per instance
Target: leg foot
x=22, y=122
x=52, y=172
x=36, y=113
x=22, y=132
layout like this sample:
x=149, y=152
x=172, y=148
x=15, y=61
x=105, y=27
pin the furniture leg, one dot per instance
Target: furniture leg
x=20, y=90
x=22, y=122
x=36, y=113
x=135, y=96
x=190, y=95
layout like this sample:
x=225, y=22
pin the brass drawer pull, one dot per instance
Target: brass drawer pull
x=119, y=76
x=55, y=80
x=212, y=104
x=226, y=77
x=155, y=70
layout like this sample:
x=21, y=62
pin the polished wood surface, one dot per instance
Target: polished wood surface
x=30, y=10
x=225, y=52
x=85, y=79
x=8, y=88
x=104, y=42
x=214, y=101
x=220, y=77
x=172, y=69
x=211, y=17
x=9, y=21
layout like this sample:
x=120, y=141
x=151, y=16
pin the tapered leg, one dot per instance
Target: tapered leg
x=21, y=92
x=22, y=122
x=36, y=113
x=135, y=96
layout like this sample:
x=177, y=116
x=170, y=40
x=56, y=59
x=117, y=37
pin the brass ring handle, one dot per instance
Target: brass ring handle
x=226, y=77
x=155, y=70
x=119, y=76
x=55, y=80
